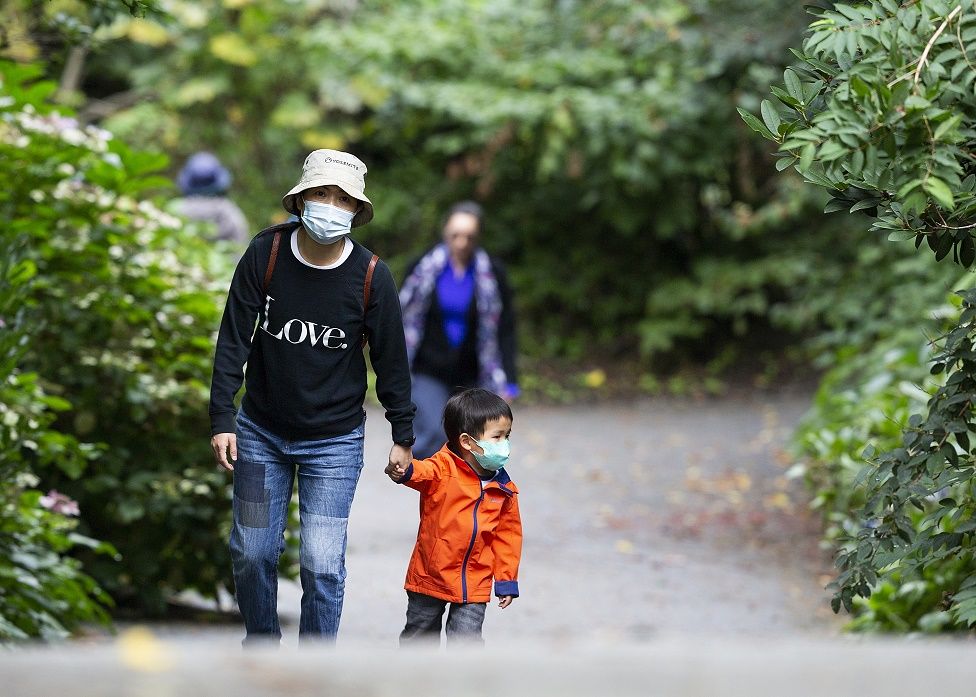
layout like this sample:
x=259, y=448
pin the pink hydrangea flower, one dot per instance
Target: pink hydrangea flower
x=57, y=502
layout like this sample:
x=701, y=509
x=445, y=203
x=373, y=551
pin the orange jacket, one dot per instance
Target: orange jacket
x=470, y=531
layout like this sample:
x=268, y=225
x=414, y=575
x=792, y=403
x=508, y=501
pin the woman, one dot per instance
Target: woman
x=311, y=297
x=459, y=324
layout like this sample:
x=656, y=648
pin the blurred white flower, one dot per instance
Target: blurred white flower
x=73, y=136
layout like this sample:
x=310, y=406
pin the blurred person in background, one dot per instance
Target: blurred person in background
x=204, y=182
x=459, y=324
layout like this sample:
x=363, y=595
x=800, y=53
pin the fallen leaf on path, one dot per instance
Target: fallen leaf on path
x=676, y=497
x=624, y=546
x=141, y=650
x=779, y=500
x=595, y=378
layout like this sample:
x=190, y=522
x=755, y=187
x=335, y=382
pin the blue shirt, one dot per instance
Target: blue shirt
x=454, y=296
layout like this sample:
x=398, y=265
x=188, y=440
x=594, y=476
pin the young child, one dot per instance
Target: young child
x=470, y=530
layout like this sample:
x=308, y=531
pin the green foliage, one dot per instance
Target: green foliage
x=35, y=29
x=43, y=592
x=121, y=310
x=878, y=113
x=934, y=600
x=632, y=215
x=921, y=494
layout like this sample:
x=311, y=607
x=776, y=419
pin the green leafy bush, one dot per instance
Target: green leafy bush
x=122, y=314
x=879, y=112
x=43, y=592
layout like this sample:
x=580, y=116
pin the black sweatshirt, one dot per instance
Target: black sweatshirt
x=306, y=372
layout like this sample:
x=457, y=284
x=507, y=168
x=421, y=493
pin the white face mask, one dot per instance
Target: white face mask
x=326, y=223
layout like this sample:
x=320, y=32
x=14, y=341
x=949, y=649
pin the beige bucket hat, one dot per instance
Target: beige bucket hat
x=323, y=167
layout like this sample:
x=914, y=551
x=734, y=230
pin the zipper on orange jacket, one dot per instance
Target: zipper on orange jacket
x=467, y=555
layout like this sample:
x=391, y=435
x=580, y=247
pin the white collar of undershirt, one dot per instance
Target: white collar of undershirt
x=346, y=251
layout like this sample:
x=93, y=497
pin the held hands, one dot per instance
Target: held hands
x=505, y=600
x=400, y=458
x=395, y=472
x=222, y=444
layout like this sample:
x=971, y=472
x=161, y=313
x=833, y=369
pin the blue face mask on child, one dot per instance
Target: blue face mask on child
x=325, y=223
x=495, y=454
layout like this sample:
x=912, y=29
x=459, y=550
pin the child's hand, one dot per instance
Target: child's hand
x=505, y=600
x=395, y=471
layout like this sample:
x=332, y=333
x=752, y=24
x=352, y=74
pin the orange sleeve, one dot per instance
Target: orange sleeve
x=507, y=549
x=422, y=475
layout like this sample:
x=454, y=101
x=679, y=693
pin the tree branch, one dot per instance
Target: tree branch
x=98, y=109
x=928, y=46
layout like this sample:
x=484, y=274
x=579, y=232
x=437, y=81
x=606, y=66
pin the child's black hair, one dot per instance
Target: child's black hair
x=470, y=411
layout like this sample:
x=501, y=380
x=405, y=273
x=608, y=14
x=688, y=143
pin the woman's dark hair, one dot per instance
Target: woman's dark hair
x=469, y=207
x=469, y=412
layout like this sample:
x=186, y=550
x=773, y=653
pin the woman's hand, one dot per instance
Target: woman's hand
x=394, y=472
x=400, y=458
x=222, y=444
x=505, y=600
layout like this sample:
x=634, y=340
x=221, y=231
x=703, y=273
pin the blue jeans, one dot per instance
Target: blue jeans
x=430, y=395
x=264, y=473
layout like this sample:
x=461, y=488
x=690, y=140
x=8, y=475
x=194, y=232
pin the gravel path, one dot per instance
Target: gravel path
x=665, y=554
x=661, y=517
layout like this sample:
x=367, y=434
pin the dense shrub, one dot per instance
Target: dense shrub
x=121, y=317
x=43, y=592
x=880, y=113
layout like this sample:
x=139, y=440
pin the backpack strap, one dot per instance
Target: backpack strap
x=367, y=285
x=271, y=260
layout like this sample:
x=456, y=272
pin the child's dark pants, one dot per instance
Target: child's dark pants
x=425, y=615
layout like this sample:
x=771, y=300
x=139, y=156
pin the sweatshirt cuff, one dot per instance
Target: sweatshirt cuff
x=503, y=588
x=402, y=431
x=223, y=422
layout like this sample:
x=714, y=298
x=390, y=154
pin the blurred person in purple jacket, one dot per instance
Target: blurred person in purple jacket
x=459, y=324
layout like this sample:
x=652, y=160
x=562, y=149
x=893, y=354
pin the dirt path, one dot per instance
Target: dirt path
x=656, y=518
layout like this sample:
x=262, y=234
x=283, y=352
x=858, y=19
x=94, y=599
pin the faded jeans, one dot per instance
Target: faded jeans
x=328, y=471
x=430, y=395
x=425, y=616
